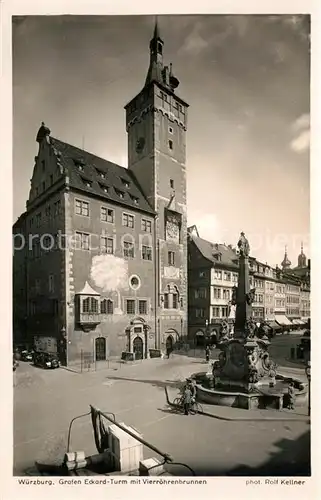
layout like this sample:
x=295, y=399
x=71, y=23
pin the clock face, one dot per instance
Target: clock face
x=140, y=144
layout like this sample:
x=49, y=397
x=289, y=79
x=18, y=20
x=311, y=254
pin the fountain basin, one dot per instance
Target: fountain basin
x=262, y=397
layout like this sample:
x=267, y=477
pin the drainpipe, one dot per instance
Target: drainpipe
x=156, y=298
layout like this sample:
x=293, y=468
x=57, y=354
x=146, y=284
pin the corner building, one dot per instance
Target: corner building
x=106, y=269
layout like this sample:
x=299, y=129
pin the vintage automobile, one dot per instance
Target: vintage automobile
x=27, y=355
x=46, y=360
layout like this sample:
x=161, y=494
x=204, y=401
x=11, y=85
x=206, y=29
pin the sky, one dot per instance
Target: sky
x=246, y=78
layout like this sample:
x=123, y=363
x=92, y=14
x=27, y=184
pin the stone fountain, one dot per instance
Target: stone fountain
x=244, y=375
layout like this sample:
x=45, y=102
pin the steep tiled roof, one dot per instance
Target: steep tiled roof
x=209, y=250
x=97, y=176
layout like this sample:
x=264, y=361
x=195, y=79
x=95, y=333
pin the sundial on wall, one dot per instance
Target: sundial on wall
x=172, y=228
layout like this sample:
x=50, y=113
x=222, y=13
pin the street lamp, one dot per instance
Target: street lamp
x=308, y=374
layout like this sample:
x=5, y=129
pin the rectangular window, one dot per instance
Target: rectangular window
x=146, y=225
x=146, y=252
x=128, y=250
x=200, y=313
x=107, y=215
x=51, y=283
x=166, y=301
x=218, y=274
x=142, y=306
x=170, y=144
x=48, y=211
x=128, y=220
x=106, y=306
x=90, y=305
x=82, y=240
x=107, y=245
x=130, y=306
x=82, y=208
x=171, y=258
x=57, y=208
x=171, y=183
x=38, y=219
x=175, y=300
x=200, y=293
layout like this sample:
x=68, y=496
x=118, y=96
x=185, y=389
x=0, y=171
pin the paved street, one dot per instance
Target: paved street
x=46, y=401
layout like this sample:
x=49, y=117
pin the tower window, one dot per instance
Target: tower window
x=170, y=130
x=170, y=144
x=160, y=48
x=171, y=182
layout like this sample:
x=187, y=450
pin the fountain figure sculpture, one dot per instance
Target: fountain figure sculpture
x=244, y=375
x=246, y=358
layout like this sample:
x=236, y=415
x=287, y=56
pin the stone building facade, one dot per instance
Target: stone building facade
x=106, y=270
x=212, y=274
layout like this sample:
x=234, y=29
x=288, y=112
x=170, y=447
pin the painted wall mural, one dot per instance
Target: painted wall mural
x=110, y=273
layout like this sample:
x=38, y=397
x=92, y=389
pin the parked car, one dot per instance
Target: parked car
x=27, y=355
x=46, y=360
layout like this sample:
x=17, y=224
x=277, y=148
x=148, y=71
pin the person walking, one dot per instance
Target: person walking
x=207, y=353
x=187, y=399
x=291, y=395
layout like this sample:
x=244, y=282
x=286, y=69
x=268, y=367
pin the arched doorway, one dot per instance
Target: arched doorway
x=214, y=337
x=199, y=339
x=169, y=343
x=138, y=348
x=100, y=348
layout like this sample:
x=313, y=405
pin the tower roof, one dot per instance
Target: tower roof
x=156, y=30
x=157, y=72
x=302, y=260
x=286, y=263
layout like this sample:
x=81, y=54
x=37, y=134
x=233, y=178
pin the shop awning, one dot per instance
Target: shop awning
x=282, y=320
x=296, y=322
x=301, y=322
x=273, y=324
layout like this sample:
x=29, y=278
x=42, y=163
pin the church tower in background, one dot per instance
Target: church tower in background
x=156, y=123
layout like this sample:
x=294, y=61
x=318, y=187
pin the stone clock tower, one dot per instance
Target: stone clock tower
x=156, y=121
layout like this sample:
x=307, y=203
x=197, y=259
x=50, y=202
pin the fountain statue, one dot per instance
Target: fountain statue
x=244, y=374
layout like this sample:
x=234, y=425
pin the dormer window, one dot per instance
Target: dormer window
x=101, y=173
x=134, y=199
x=103, y=187
x=87, y=182
x=125, y=183
x=121, y=194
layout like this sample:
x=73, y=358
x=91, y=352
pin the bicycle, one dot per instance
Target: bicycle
x=195, y=407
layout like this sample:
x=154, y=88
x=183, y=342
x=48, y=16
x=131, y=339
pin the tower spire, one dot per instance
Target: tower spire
x=156, y=29
x=286, y=263
x=302, y=260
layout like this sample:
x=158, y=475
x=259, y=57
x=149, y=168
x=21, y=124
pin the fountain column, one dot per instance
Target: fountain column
x=244, y=296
